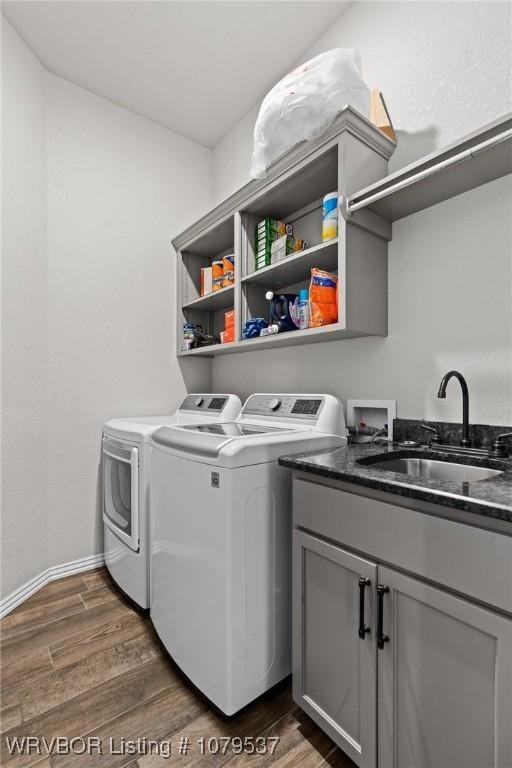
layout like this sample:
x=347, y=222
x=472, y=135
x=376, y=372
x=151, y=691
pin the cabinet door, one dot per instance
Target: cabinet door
x=444, y=680
x=334, y=668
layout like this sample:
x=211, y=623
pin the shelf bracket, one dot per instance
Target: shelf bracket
x=365, y=219
x=343, y=202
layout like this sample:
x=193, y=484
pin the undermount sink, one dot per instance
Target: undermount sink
x=432, y=469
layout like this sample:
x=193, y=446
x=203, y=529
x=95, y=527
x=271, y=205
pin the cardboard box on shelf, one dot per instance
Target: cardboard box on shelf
x=262, y=261
x=274, y=227
x=206, y=281
x=285, y=243
x=268, y=231
x=229, y=318
x=228, y=334
x=285, y=246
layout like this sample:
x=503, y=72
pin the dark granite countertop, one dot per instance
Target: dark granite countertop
x=490, y=498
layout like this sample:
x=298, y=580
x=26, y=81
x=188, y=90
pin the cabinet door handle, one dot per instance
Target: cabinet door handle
x=363, y=628
x=381, y=637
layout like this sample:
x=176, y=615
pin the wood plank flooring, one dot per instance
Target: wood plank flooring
x=78, y=661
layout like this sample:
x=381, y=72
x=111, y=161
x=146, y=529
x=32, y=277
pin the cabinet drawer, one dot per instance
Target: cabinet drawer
x=472, y=561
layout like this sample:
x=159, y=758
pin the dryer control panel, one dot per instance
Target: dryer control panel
x=208, y=404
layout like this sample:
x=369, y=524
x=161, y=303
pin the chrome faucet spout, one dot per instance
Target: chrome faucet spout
x=465, y=442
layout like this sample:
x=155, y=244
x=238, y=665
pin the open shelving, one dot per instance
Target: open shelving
x=205, y=310
x=352, y=158
x=214, y=301
x=291, y=270
x=291, y=339
x=351, y=153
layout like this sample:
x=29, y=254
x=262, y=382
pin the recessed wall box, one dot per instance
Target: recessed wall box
x=373, y=414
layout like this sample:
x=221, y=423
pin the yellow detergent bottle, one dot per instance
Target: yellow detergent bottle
x=330, y=216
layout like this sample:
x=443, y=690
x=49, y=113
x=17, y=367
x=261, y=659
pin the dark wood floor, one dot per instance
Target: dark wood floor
x=77, y=660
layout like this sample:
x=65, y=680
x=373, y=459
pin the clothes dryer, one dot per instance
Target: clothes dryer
x=125, y=475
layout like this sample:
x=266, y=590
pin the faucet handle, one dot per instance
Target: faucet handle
x=498, y=447
x=434, y=438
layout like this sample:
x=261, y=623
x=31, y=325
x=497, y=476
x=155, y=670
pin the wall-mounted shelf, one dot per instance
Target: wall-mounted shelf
x=351, y=156
x=290, y=339
x=213, y=301
x=477, y=158
x=293, y=268
x=353, y=152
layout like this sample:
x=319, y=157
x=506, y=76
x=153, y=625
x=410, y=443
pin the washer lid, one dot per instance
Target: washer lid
x=248, y=450
x=211, y=439
x=233, y=429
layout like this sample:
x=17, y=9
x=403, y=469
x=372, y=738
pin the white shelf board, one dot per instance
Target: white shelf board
x=450, y=171
x=213, y=301
x=296, y=266
x=290, y=339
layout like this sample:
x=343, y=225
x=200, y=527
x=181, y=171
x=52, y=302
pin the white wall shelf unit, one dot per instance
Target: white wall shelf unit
x=475, y=159
x=351, y=153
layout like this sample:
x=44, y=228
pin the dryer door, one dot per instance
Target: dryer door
x=121, y=490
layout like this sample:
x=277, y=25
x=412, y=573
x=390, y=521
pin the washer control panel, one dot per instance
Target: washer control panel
x=284, y=406
x=306, y=407
x=204, y=403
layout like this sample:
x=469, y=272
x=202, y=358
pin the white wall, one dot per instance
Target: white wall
x=445, y=69
x=119, y=187
x=93, y=194
x=449, y=307
x=24, y=436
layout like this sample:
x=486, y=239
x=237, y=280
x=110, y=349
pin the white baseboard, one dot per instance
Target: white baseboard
x=21, y=594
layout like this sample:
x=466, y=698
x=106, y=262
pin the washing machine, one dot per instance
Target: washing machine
x=125, y=472
x=221, y=541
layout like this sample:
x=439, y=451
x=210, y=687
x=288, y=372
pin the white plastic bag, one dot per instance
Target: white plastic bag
x=305, y=102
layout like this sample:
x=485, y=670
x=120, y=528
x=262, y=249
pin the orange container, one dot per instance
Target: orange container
x=218, y=274
x=229, y=334
x=228, y=263
x=229, y=318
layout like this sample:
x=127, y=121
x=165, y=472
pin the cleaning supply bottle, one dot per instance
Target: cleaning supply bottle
x=303, y=308
x=330, y=216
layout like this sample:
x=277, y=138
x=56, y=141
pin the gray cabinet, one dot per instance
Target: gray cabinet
x=444, y=680
x=334, y=669
x=436, y=692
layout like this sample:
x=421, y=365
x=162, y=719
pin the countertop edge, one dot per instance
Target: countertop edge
x=405, y=490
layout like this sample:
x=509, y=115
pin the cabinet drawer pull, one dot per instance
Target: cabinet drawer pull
x=363, y=628
x=381, y=637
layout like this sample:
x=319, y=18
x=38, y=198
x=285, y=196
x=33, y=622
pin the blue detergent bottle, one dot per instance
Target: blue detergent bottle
x=303, y=309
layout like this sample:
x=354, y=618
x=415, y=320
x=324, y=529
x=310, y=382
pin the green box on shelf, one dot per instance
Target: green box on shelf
x=268, y=230
x=263, y=261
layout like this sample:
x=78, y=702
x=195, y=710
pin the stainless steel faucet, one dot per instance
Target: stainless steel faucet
x=465, y=442
x=434, y=435
x=499, y=449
